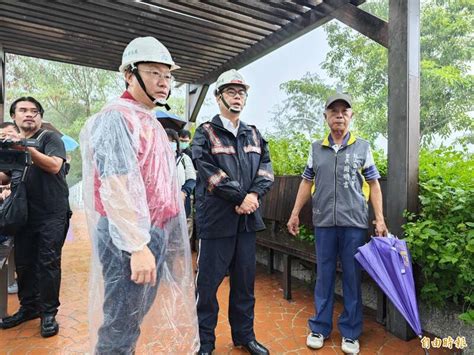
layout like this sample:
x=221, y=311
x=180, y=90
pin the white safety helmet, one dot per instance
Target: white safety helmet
x=230, y=77
x=146, y=49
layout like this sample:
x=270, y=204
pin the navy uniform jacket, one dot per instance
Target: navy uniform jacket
x=229, y=168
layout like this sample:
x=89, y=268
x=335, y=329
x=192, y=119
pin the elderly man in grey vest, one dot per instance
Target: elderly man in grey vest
x=339, y=166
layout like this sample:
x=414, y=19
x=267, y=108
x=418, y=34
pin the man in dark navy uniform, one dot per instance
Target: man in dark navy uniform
x=234, y=172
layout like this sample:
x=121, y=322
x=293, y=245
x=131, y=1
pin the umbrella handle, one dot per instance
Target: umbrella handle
x=389, y=236
x=424, y=349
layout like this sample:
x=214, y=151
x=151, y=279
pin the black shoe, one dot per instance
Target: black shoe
x=255, y=348
x=206, y=349
x=19, y=317
x=49, y=326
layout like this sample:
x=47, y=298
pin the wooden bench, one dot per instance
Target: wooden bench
x=277, y=240
x=5, y=251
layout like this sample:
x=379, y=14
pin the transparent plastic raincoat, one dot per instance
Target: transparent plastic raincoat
x=132, y=199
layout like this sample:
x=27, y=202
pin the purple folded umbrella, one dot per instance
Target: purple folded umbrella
x=388, y=262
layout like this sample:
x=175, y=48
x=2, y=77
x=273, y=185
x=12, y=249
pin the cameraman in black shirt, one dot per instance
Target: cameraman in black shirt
x=39, y=243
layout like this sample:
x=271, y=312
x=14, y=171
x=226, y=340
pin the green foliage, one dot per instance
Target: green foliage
x=68, y=93
x=360, y=67
x=306, y=234
x=446, y=79
x=468, y=317
x=289, y=154
x=177, y=102
x=381, y=162
x=75, y=173
x=441, y=236
x=302, y=110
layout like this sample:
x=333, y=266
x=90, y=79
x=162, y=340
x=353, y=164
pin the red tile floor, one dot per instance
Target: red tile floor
x=279, y=324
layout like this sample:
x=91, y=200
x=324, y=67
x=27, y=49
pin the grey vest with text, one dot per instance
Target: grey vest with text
x=338, y=199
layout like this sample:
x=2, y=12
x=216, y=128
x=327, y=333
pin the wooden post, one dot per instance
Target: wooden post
x=271, y=226
x=270, y=267
x=403, y=126
x=381, y=314
x=195, y=95
x=2, y=84
x=286, y=276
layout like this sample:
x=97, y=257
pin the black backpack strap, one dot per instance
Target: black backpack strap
x=180, y=159
x=23, y=176
x=41, y=135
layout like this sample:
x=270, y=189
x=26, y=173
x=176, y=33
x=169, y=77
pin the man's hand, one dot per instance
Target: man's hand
x=381, y=229
x=249, y=204
x=293, y=225
x=143, y=266
x=4, y=178
x=183, y=195
x=10, y=135
x=15, y=138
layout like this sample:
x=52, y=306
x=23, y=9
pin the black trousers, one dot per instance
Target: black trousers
x=217, y=256
x=38, y=247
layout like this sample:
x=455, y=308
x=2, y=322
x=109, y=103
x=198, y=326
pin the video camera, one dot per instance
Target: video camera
x=13, y=159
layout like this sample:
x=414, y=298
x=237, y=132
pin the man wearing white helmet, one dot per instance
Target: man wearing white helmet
x=147, y=50
x=136, y=218
x=234, y=172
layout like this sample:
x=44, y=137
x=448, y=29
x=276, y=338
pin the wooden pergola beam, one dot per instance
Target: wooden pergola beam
x=71, y=18
x=2, y=83
x=305, y=23
x=108, y=41
x=151, y=12
x=257, y=8
x=289, y=5
x=240, y=17
x=195, y=95
x=367, y=24
x=205, y=37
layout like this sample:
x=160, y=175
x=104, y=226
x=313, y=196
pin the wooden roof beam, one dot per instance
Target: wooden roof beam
x=68, y=21
x=155, y=13
x=363, y=22
x=110, y=37
x=305, y=23
x=33, y=31
x=69, y=15
x=251, y=9
x=210, y=13
x=288, y=5
x=195, y=95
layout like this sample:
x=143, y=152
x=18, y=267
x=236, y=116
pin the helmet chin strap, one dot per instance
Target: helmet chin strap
x=156, y=102
x=232, y=109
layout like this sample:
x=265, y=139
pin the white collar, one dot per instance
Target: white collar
x=228, y=125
